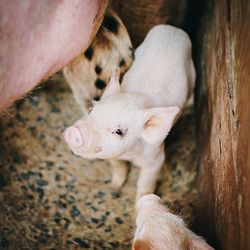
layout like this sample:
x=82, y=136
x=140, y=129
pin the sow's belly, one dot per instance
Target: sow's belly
x=42, y=37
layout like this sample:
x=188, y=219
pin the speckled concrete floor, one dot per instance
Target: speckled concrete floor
x=51, y=199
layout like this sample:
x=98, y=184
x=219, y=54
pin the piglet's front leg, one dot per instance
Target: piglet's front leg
x=120, y=172
x=149, y=174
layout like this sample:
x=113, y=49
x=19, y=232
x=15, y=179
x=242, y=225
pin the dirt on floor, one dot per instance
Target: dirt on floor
x=52, y=199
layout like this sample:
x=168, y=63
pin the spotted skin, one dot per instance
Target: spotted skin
x=98, y=70
x=100, y=84
x=89, y=53
x=111, y=23
x=89, y=74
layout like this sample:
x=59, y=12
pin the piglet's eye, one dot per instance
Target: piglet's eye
x=120, y=132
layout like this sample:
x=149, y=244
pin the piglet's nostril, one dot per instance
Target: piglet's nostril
x=73, y=137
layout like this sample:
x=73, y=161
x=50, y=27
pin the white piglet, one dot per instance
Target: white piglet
x=158, y=229
x=131, y=120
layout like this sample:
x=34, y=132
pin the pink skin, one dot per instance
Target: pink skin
x=38, y=38
x=149, y=198
x=158, y=229
x=81, y=137
x=131, y=120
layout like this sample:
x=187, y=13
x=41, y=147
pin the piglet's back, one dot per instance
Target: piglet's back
x=163, y=67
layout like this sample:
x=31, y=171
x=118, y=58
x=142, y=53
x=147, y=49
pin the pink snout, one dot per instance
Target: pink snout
x=73, y=137
x=80, y=136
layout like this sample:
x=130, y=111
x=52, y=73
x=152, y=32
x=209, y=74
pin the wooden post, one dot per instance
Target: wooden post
x=223, y=99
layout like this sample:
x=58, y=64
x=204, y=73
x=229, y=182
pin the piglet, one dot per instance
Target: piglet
x=131, y=120
x=158, y=229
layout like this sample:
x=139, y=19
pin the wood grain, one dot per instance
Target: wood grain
x=224, y=124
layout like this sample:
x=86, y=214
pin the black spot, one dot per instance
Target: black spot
x=41, y=136
x=100, y=195
x=100, y=84
x=24, y=176
x=57, y=217
x=49, y=164
x=74, y=212
x=63, y=196
x=89, y=53
x=57, y=177
x=118, y=220
x=110, y=23
x=94, y=220
x=30, y=197
x=40, y=193
x=122, y=62
x=81, y=243
x=97, y=98
x=55, y=109
x=116, y=194
x=114, y=245
x=98, y=69
x=41, y=182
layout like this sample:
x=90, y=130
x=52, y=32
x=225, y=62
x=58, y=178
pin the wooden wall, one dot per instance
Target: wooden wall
x=139, y=16
x=223, y=115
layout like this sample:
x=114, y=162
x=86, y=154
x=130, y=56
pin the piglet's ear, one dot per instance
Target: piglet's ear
x=141, y=245
x=157, y=123
x=114, y=84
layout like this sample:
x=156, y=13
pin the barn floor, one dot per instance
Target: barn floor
x=51, y=199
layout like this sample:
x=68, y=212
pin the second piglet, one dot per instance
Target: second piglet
x=131, y=120
x=158, y=229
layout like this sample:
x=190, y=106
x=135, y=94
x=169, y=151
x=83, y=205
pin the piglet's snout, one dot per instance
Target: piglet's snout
x=73, y=137
x=79, y=136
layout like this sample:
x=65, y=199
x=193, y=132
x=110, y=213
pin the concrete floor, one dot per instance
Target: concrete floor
x=51, y=199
